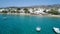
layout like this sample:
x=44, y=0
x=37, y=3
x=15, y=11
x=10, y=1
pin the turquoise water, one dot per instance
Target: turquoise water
x=23, y=24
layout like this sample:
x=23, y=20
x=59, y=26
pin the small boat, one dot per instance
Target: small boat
x=56, y=30
x=4, y=18
x=38, y=29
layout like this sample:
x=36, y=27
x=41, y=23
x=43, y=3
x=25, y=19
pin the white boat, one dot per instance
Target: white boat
x=38, y=29
x=57, y=30
x=4, y=18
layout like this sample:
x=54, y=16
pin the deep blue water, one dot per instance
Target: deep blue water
x=23, y=24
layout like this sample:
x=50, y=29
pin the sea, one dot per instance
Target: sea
x=26, y=24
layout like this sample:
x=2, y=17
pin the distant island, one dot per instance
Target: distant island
x=33, y=10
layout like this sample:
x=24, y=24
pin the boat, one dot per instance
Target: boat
x=4, y=18
x=38, y=29
x=56, y=30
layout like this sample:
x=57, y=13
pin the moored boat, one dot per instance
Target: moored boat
x=56, y=30
x=4, y=18
x=38, y=29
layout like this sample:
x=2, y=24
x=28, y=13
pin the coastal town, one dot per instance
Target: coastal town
x=31, y=10
x=29, y=16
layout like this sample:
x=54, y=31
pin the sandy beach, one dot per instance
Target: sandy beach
x=30, y=14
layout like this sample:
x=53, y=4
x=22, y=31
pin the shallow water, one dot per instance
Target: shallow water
x=23, y=24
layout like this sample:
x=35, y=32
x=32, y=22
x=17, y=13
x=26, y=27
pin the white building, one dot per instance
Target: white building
x=59, y=10
x=30, y=10
x=21, y=11
x=39, y=11
x=48, y=10
x=1, y=9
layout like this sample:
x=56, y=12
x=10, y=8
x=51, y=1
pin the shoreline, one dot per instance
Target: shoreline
x=54, y=15
x=30, y=14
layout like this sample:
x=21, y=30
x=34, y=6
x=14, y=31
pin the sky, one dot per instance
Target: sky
x=21, y=3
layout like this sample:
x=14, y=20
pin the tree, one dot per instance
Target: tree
x=18, y=10
x=26, y=10
x=13, y=11
x=4, y=11
x=33, y=10
x=44, y=11
x=55, y=12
